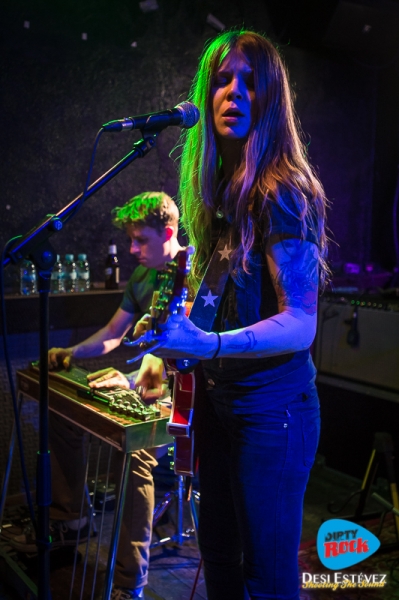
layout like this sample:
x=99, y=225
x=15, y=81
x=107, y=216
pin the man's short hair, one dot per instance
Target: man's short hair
x=149, y=209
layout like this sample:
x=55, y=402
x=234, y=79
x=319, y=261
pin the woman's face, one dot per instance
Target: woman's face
x=233, y=96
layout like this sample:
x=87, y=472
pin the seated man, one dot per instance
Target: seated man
x=151, y=222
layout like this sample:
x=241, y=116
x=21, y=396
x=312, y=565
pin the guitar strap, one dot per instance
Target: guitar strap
x=202, y=314
x=209, y=295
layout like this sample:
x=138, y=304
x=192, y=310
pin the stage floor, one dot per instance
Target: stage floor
x=173, y=568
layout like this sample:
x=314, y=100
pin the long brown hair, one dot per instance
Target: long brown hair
x=273, y=168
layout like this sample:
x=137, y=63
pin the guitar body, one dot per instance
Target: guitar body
x=180, y=424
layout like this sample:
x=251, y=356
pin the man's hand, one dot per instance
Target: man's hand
x=108, y=378
x=59, y=357
x=141, y=327
x=151, y=374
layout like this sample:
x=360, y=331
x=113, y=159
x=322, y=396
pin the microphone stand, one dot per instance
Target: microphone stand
x=36, y=246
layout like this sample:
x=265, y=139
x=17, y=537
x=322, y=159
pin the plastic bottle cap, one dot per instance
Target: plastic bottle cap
x=69, y=256
x=82, y=256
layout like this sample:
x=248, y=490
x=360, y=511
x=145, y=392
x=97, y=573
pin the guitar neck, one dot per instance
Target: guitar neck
x=153, y=312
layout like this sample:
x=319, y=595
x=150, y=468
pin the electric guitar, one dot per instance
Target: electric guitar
x=170, y=298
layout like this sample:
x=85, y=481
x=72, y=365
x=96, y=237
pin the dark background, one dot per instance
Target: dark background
x=57, y=90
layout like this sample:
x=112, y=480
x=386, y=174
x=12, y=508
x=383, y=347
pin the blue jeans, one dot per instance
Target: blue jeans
x=253, y=471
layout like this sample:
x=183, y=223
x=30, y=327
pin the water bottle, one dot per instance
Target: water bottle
x=70, y=273
x=83, y=273
x=111, y=272
x=57, y=284
x=27, y=278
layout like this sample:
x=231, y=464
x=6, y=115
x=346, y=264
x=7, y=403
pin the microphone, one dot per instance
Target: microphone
x=184, y=115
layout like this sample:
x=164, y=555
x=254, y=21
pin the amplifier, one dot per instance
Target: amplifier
x=358, y=340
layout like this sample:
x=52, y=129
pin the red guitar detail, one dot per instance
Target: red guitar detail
x=180, y=423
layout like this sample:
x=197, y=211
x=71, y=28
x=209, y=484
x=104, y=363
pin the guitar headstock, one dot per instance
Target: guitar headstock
x=172, y=292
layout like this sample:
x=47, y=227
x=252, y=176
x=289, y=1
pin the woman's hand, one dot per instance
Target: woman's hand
x=184, y=340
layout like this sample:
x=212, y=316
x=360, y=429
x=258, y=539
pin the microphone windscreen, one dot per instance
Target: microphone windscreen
x=190, y=114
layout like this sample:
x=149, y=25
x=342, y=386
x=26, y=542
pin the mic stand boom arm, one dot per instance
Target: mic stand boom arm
x=36, y=245
x=52, y=223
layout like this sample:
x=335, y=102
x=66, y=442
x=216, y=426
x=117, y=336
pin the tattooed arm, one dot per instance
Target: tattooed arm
x=293, y=265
